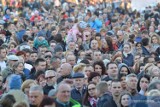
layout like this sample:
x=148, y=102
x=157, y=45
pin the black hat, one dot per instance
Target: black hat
x=78, y=75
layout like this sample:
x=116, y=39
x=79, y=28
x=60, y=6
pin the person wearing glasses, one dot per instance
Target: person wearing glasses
x=51, y=79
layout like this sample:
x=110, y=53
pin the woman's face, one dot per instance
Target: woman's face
x=154, y=40
x=98, y=69
x=124, y=70
x=12, y=47
x=126, y=48
x=156, y=72
x=125, y=100
x=42, y=82
x=96, y=79
x=92, y=90
x=144, y=83
x=20, y=67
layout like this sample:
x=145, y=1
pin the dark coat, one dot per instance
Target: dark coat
x=129, y=60
x=106, y=101
x=47, y=88
x=78, y=96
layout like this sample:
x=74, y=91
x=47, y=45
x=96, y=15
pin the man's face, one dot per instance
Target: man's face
x=35, y=97
x=116, y=88
x=59, y=53
x=71, y=60
x=3, y=53
x=64, y=93
x=33, y=57
x=51, y=78
x=94, y=45
x=120, y=35
x=42, y=50
x=52, y=45
x=97, y=56
x=78, y=82
x=132, y=83
x=41, y=66
x=72, y=46
x=112, y=70
x=30, y=43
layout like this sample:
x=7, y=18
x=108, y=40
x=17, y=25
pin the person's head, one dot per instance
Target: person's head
x=87, y=35
x=42, y=49
x=123, y=69
x=97, y=55
x=112, y=70
x=127, y=48
x=90, y=93
x=131, y=81
x=125, y=99
x=94, y=77
x=155, y=39
x=40, y=64
x=41, y=80
x=52, y=44
x=78, y=80
x=71, y=46
x=21, y=104
x=33, y=56
x=47, y=102
x=50, y=77
x=7, y=101
x=154, y=72
x=63, y=92
x=137, y=58
x=116, y=88
x=58, y=50
x=26, y=86
x=143, y=82
x=18, y=67
x=30, y=42
x=94, y=44
x=154, y=85
x=99, y=67
x=3, y=52
x=114, y=39
x=145, y=41
x=65, y=69
x=71, y=59
x=88, y=69
x=120, y=35
x=101, y=88
x=35, y=95
x=145, y=34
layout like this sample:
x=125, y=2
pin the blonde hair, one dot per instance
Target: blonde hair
x=21, y=104
x=79, y=67
x=26, y=84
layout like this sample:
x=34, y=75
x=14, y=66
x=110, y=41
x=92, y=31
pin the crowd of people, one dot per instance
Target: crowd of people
x=55, y=53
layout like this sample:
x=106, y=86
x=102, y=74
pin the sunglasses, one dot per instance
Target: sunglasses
x=48, y=56
x=49, y=77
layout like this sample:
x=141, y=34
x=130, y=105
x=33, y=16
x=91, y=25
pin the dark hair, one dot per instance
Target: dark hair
x=100, y=63
x=109, y=43
x=143, y=76
x=19, y=53
x=39, y=60
x=30, y=39
x=47, y=101
x=86, y=95
x=7, y=101
x=109, y=64
x=145, y=41
x=58, y=38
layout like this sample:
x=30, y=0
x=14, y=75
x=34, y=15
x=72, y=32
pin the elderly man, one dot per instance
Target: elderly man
x=35, y=95
x=63, y=98
x=51, y=79
x=65, y=71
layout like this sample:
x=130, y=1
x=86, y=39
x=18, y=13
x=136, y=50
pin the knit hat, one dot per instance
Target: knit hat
x=58, y=48
x=40, y=33
x=15, y=81
x=138, y=39
x=92, y=75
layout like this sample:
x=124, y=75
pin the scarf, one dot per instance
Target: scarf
x=92, y=101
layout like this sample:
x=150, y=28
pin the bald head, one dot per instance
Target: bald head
x=66, y=69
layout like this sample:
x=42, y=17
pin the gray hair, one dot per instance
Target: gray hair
x=130, y=75
x=153, y=85
x=36, y=88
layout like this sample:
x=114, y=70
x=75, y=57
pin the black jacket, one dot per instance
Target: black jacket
x=106, y=101
x=47, y=88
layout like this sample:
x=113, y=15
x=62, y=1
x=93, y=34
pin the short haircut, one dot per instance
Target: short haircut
x=1, y=48
x=102, y=87
x=21, y=104
x=107, y=66
x=36, y=88
x=50, y=71
x=153, y=85
x=130, y=75
x=39, y=60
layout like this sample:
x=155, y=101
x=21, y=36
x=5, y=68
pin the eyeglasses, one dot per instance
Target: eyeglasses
x=89, y=89
x=49, y=77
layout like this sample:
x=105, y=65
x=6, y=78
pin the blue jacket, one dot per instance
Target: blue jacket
x=129, y=60
x=96, y=24
x=20, y=35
